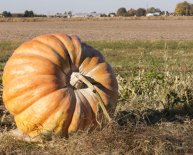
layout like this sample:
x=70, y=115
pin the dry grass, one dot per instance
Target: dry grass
x=155, y=107
x=23, y=19
x=113, y=139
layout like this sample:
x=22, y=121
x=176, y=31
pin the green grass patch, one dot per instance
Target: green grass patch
x=174, y=56
x=141, y=44
x=6, y=49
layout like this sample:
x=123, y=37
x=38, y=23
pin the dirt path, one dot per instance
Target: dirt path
x=102, y=30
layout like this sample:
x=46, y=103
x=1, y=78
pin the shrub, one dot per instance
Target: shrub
x=6, y=14
x=28, y=13
x=141, y=12
x=131, y=12
x=122, y=12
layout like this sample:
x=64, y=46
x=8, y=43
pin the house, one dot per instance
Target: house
x=153, y=14
x=149, y=14
x=157, y=14
x=86, y=15
x=81, y=15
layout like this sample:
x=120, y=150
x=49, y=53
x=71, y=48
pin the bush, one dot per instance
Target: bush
x=6, y=14
x=103, y=15
x=141, y=12
x=29, y=13
x=131, y=12
x=122, y=12
x=153, y=10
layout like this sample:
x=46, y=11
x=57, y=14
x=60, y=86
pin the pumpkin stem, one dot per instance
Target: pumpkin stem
x=97, y=95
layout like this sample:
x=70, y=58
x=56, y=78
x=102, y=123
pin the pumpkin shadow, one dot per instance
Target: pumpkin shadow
x=177, y=109
x=151, y=117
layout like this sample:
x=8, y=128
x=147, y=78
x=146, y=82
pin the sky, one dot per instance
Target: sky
x=76, y=6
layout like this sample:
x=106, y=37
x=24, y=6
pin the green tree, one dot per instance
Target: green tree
x=183, y=8
x=6, y=14
x=103, y=15
x=158, y=10
x=122, y=12
x=29, y=13
x=69, y=13
x=131, y=12
x=151, y=10
x=191, y=9
x=141, y=12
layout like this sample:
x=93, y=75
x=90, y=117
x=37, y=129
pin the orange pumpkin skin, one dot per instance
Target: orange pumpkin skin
x=37, y=88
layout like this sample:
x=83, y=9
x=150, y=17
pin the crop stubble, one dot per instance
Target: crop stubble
x=101, y=29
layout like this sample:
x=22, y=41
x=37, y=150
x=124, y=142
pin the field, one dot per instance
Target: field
x=101, y=29
x=154, y=67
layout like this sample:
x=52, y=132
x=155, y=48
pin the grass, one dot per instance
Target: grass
x=6, y=49
x=148, y=55
x=23, y=19
x=155, y=106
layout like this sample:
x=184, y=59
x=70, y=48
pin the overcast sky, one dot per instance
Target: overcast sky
x=101, y=6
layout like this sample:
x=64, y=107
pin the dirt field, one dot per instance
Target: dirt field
x=102, y=30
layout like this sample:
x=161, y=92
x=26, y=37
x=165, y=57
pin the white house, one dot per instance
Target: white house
x=85, y=15
x=82, y=15
x=153, y=14
x=149, y=14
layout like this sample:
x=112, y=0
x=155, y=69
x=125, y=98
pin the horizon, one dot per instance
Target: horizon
x=84, y=6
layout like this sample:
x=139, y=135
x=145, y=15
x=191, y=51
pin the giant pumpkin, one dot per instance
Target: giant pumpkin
x=43, y=90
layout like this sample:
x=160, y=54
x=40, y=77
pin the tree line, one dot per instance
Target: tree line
x=139, y=12
x=182, y=9
x=27, y=13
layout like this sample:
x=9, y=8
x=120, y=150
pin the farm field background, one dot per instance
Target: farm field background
x=101, y=29
x=153, y=62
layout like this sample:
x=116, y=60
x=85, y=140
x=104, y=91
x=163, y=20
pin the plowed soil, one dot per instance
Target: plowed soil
x=101, y=30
